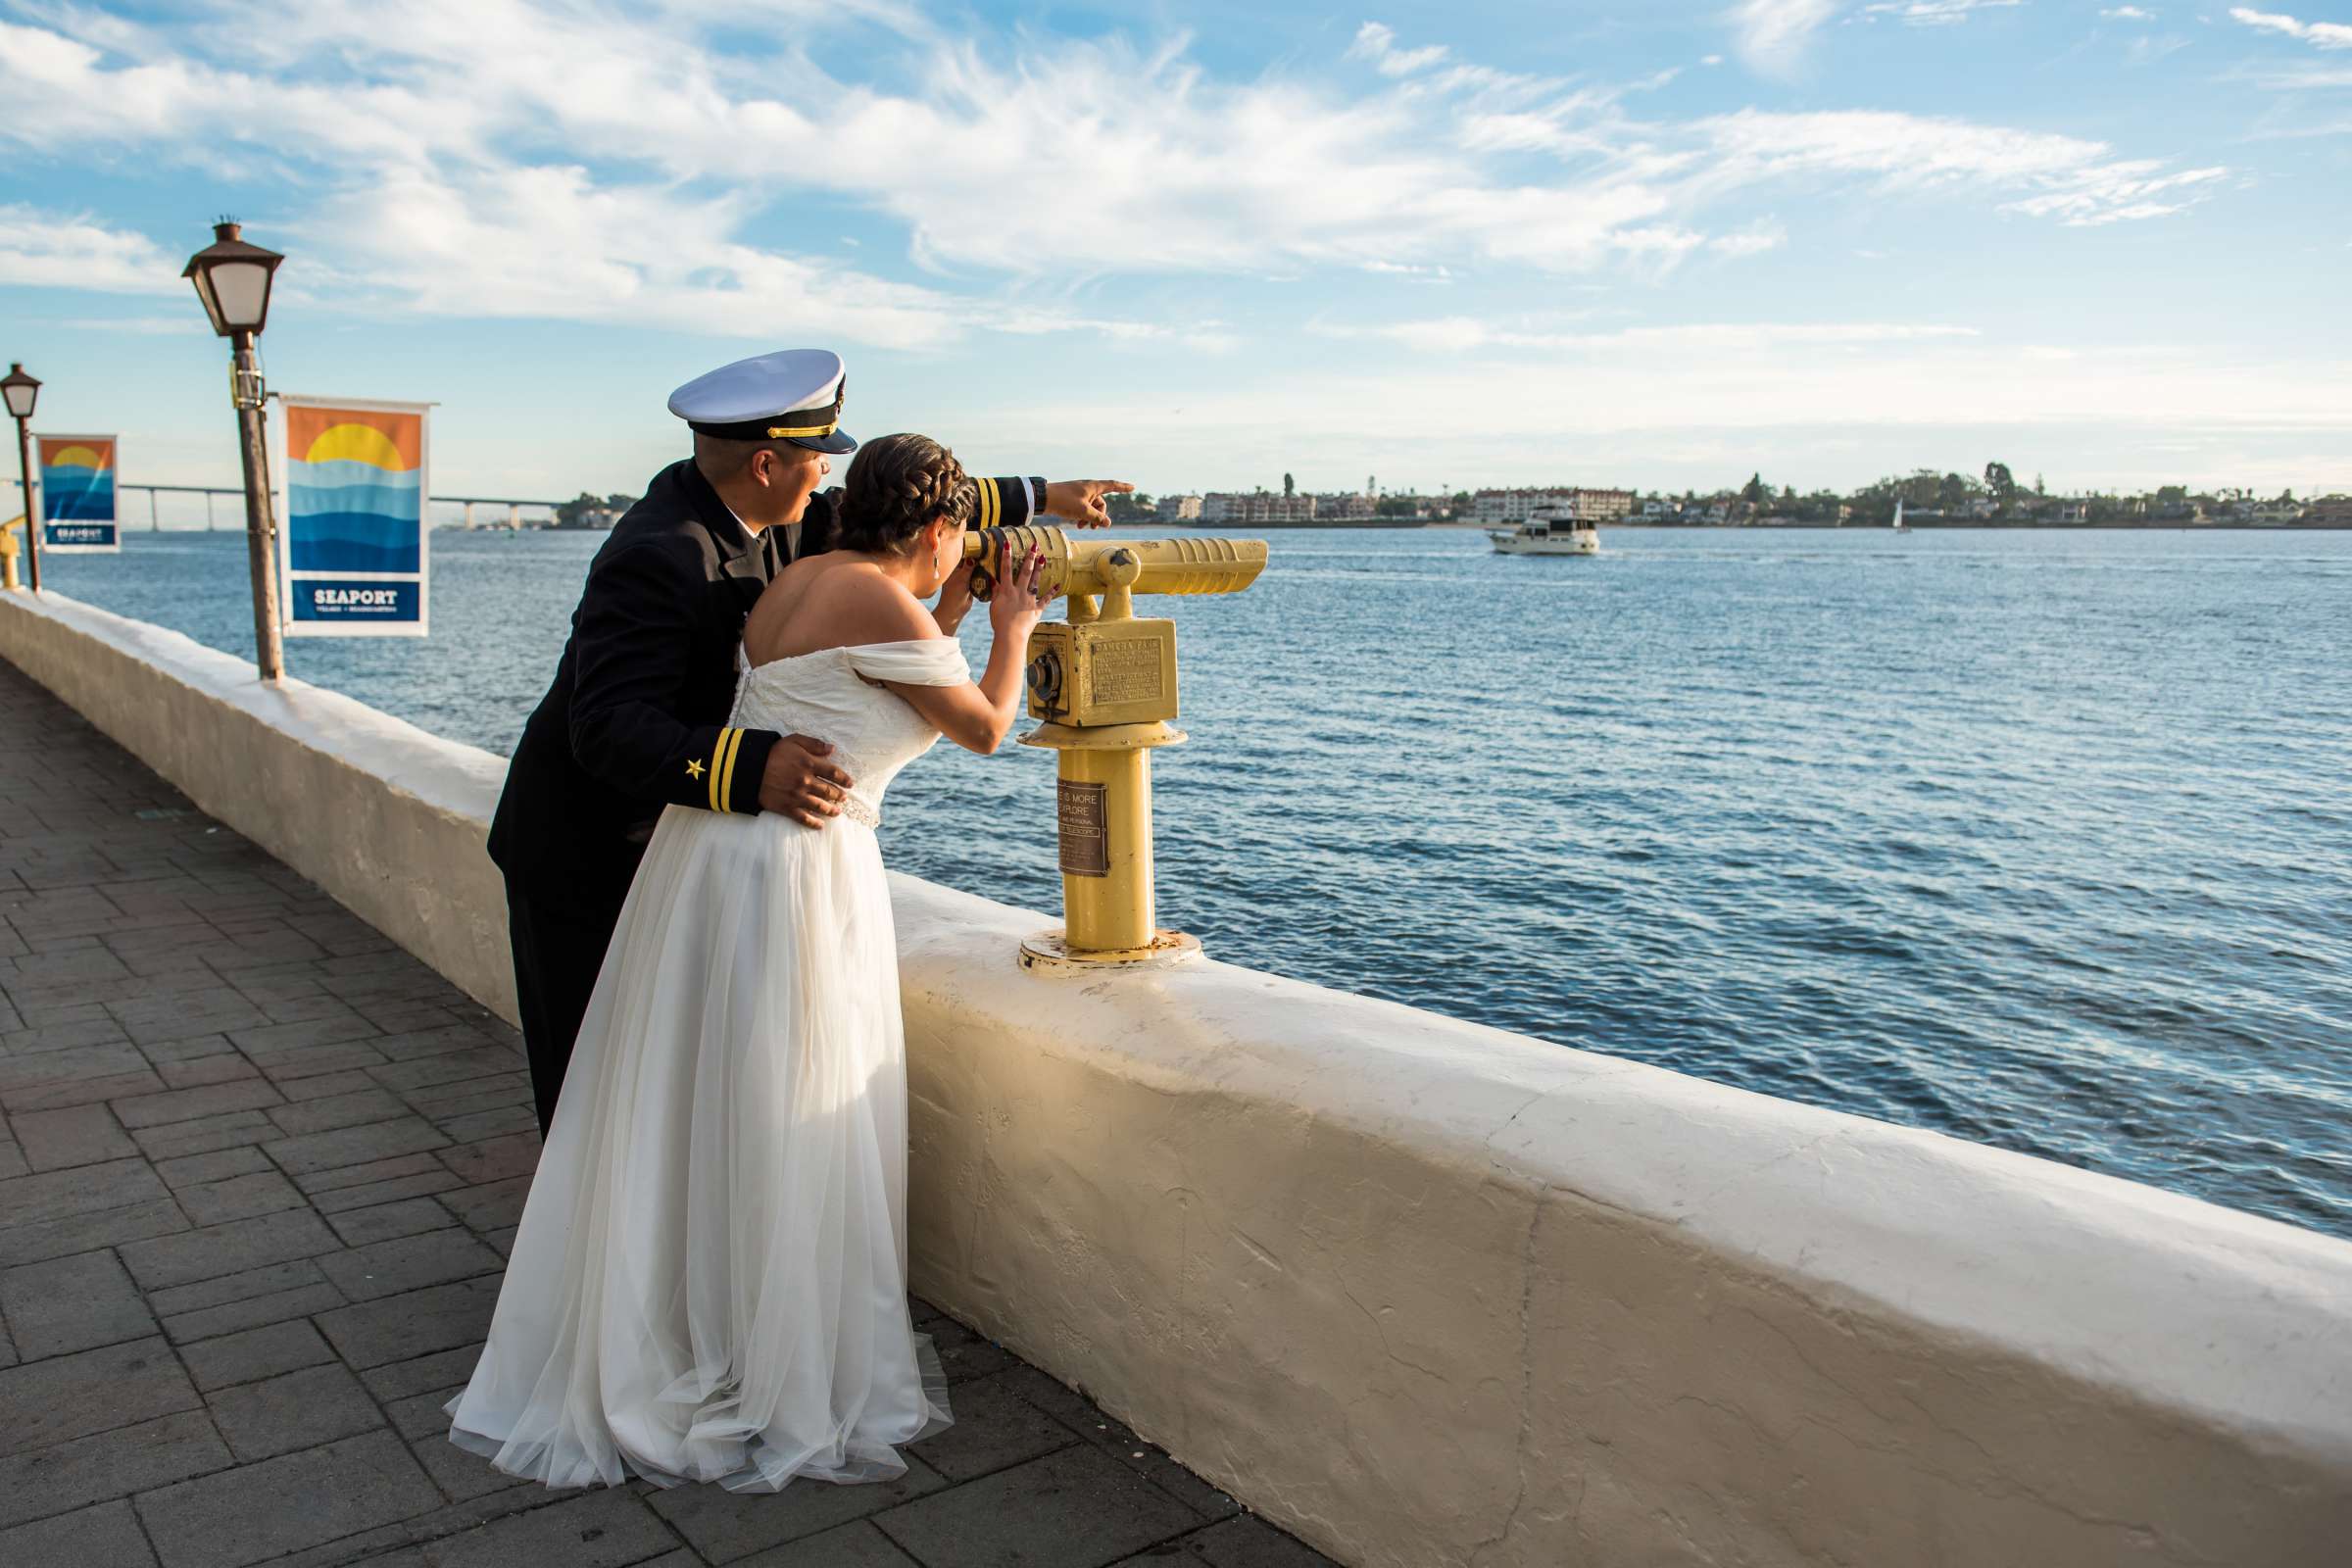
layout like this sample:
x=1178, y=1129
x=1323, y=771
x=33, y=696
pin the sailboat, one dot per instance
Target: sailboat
x=1900, y=526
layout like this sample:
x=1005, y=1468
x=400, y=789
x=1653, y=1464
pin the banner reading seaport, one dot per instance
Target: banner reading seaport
x=353, y=552
x=77, y=494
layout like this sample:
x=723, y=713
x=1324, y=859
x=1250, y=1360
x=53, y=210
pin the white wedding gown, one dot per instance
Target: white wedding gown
x=709, y=1281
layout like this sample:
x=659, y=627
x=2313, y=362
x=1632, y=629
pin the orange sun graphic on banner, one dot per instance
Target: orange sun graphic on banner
x=392, y=441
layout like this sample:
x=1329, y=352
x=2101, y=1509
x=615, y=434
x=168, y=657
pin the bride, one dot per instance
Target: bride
x=709, y=1281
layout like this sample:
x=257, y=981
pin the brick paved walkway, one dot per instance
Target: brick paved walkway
x=260, y=1174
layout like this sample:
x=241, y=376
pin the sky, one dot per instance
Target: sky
x=1201, y=246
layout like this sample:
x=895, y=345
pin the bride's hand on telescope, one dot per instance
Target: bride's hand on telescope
x=1015, y=606
x=1080, y=501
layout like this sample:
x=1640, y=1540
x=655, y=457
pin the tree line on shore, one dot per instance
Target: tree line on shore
x=1995, y=497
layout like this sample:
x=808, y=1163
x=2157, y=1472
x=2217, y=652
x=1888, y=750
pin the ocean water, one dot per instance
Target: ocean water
x=2038, y=839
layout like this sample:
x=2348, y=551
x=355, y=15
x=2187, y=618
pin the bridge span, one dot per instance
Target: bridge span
x=514, y=504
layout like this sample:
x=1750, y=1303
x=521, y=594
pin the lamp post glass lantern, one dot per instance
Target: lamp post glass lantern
x=233, y=279
x=22, y=391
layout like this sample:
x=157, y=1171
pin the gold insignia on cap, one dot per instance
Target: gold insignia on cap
x=830, y=416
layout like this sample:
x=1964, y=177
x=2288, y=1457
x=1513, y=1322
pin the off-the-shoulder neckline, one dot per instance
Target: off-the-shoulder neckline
x=750, y=668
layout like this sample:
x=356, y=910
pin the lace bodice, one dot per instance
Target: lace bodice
x=829, y=696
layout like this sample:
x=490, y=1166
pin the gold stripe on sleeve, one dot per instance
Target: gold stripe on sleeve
x=992, y=507
x=726, y=782
x=718, y=757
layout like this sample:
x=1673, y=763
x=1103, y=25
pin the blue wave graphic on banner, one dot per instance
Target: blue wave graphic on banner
x=388, y=495
x=344, y=516
x=71, y=491
x=355, y=541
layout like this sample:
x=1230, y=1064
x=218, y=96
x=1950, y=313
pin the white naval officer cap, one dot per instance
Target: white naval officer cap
x=793, y=395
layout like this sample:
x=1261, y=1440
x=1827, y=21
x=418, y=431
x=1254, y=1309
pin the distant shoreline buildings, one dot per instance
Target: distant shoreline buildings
x=1930, y=500
x=1518, y=506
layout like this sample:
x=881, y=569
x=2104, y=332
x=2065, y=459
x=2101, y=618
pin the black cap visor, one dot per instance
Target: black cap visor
x=835, y=444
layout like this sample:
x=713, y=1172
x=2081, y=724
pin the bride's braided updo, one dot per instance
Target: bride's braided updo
x=897, y=483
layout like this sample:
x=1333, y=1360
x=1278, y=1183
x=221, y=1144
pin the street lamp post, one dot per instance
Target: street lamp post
x=233, y=279
x=21, y=390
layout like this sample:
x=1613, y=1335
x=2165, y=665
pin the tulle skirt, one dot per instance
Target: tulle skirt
x=709, y=1280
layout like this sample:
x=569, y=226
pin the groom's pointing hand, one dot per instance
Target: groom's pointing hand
x=799, y=783
x=1080, y=501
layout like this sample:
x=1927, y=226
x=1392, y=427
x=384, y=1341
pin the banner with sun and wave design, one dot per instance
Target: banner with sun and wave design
x=78, y=493
x=351, y=557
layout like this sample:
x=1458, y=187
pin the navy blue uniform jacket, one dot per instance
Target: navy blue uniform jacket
x=637, y=717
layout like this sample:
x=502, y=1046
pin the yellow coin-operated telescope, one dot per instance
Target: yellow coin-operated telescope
x=1104, y=684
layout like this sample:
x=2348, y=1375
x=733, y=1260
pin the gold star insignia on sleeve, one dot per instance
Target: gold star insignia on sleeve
x=694, y=770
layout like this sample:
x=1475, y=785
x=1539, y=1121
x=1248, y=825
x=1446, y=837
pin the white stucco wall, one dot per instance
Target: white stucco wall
x=1431, y=1294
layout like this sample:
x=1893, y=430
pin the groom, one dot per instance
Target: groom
x=637, y=717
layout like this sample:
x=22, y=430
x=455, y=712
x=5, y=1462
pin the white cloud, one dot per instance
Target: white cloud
x=1377, y=43
x=2122, y=193
x=1771, y=35
x=1765, y=234
x=74, y=250
x=2148, y=48
x=2127, y=14
x=427, y=209
x=1173, y=172
x=2318, y=34
x=496, y=158
x=1692, y=166
x=1937, y=13
x=1458, y=334
x=479, y=243
x=2069, y=178
x=2296, y=76
x=478, y=246
x=1908, y=149
x=142, y=325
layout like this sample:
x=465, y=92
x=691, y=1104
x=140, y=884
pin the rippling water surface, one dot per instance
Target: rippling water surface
x=2044, y=840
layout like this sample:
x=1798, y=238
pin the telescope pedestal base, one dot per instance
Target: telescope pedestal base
x=1050, y=952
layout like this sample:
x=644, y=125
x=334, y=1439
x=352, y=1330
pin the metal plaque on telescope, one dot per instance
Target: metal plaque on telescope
x=1084, y=839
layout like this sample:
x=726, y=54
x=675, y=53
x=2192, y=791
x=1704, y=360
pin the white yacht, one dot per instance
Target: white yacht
x=1548, y=533
x=1900, y=526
